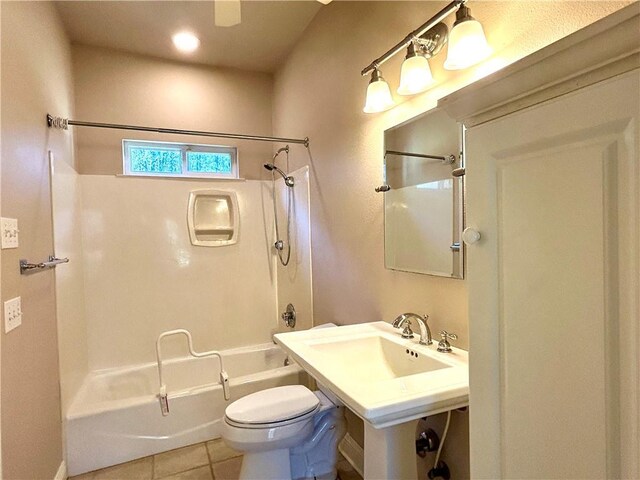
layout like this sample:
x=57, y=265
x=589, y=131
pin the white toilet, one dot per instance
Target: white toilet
x=285, y=433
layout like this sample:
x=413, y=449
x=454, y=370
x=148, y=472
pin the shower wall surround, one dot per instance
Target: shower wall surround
x=294, y=280
x=66, y=204
x=143, y=276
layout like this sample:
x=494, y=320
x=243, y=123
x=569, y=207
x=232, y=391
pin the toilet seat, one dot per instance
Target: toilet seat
x=274, y=407
x=271, y=425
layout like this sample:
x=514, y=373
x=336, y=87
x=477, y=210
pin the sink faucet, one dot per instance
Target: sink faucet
x=404, y=321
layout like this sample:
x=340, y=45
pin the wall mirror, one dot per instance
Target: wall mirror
x=424, y=196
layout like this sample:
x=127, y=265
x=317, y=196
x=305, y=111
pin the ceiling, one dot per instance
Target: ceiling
x=268, y=31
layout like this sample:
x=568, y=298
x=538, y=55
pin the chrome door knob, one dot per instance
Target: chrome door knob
x=470, y=236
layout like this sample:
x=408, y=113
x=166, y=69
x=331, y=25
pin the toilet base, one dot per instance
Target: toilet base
x=328, y=476
x=269, y=465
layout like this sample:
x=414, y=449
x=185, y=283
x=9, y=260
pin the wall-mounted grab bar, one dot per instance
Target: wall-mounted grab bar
x=27, y=267
x=163, y=396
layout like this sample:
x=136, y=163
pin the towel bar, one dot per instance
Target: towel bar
x=26, y=267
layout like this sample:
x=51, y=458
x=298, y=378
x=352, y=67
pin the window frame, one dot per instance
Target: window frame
x=184, y=148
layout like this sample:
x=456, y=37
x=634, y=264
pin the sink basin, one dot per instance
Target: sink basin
x=382, y=377
x=373, y=359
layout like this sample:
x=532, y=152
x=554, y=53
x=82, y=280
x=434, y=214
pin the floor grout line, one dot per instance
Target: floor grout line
x=213, y=476
x=181, y=472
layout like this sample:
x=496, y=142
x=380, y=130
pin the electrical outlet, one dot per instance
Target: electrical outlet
x=9, y=231
x=12, y=314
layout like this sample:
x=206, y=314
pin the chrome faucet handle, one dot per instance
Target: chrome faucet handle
x=444, y=345
x=407, y=332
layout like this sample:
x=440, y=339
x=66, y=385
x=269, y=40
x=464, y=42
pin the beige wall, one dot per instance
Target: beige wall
x=319, y=92
x=116, y=87
x=36, y=79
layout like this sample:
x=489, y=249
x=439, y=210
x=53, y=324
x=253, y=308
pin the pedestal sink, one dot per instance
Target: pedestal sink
x=388, y=381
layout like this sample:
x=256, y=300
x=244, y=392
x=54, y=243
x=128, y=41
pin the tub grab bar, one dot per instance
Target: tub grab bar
x=162, y=396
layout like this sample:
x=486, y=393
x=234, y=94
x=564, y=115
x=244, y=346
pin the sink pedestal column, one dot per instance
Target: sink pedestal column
x=390, y=453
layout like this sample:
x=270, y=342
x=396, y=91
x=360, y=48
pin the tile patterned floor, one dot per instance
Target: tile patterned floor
x=205, y=461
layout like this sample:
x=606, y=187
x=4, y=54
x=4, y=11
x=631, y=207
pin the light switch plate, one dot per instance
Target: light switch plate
x=9, y=232
x=12, y=314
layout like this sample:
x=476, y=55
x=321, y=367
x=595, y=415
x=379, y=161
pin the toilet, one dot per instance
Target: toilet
x=285, y=433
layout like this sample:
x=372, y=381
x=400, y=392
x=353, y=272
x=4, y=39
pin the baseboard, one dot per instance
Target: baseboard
x=61, y=474
x=353, y=453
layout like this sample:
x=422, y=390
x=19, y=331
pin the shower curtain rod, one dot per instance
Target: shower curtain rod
x=63, y=123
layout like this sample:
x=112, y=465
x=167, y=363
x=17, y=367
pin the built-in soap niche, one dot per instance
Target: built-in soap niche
x=213, y=218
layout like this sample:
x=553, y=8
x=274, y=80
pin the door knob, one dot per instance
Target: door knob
x=470, y=236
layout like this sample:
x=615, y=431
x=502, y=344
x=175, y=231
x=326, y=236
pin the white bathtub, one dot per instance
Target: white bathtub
x=116, y=417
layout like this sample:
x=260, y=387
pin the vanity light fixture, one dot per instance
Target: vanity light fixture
x=467, y=46
x=379, y=96
x=186, y=42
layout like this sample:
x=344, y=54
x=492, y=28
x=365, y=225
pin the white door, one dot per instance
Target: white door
x=553, y=287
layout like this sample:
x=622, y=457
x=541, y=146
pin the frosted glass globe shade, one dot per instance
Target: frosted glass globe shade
x=415, y=75
x=467, y=45
x=379, y=97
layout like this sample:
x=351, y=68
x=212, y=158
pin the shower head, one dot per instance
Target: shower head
x=288, y=181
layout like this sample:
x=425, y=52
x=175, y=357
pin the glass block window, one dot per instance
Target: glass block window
x=209, y=162
x=167, y=159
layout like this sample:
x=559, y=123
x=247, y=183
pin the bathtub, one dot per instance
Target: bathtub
x=115, y=416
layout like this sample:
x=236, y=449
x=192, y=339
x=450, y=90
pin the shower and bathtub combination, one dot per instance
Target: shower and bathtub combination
x=135, y=273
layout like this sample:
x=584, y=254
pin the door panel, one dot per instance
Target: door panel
x=553, y=383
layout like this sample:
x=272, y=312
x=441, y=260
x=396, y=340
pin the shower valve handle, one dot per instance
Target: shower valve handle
x=289, y=316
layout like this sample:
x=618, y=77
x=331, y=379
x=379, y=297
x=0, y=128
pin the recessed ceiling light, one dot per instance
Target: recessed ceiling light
x=186, y=42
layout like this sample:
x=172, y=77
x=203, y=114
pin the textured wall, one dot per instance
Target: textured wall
x=36, y=79
x=116, y=87
x=320, y=93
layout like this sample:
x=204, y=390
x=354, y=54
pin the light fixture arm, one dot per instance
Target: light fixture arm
x=437, y=18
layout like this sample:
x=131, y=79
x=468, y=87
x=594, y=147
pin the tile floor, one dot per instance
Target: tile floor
x=205, y=461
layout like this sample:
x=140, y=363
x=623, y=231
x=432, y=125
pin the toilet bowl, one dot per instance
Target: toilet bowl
x=285, y=433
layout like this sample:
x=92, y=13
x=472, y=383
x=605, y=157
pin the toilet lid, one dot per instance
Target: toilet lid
x=273, y=405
